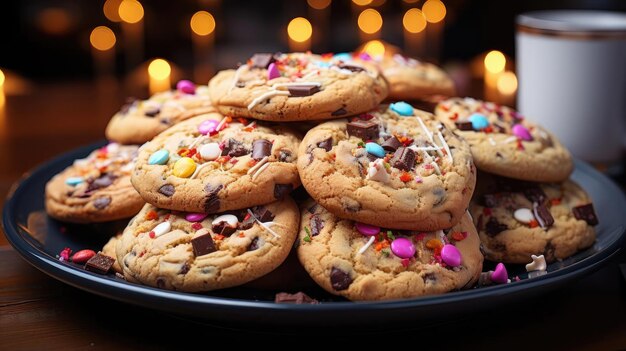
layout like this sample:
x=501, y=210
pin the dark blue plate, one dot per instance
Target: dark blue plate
x=39, y=239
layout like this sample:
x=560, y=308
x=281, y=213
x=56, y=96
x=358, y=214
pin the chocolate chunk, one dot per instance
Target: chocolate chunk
x=490, y=200
x=303, y=89
x=429, y=278
x=493, y=227
x=234, y=148
x=298, y=298
x=464, y=125
x=152, y=111
x=280, y=190
x=326, y=144
x=312, y=209
x=351, y=68
x=365, y=130
x=223, y=228
x=160, y=283
x=246, y=223
x=284, y=156
x=339, y=279
x=203, y=245
x=263, y=214
x=261, y=60
x=101, y=202
x=184, y=269
x=165, y=121
x=103, y=181
x=212, y=201
x=535, y=194
x=167, y=190
x=503, y=199
x=549, y=252
x=586, y=213
x=317, y=224
x=440, y=195
x=499, y=155
x=254, y=244
x=261, y=148
x=99, y=263
x=340, y=112
x=391, y=144
x=543, y=215
x=403, y=159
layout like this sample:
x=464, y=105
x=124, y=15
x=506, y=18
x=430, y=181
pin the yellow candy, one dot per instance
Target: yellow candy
x=184, y=167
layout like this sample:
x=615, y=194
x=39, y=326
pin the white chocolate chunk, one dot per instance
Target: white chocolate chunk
x=538, y=264
x=377, y=171
x=523, y=215
x=230, y=220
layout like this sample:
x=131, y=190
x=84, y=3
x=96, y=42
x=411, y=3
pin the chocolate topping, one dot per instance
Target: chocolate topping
x=543, y=215
x=317, y=224
x=391, y=144
x=326, y=144
x=284, y=156
x=261, y=60
x=263, y=214
x=234, y=148
x=535, y=194
x=403, y=159
x=261, y=148
x=203, y=245
x=99, y=263
x=586, y=213
x=152, y=111
x=339, y=112
x=303, y=89
x=280, y=190
x=223, y=228
x=464, y=125
x=167, y=190
x=212, y=202
x=254, y=244
x=365, y=130
x=102, y=202
x=493, y=227
x=297, y=298
x=339, y=279
x=351, y=68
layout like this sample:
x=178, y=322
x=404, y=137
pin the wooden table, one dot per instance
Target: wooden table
x=38, y=312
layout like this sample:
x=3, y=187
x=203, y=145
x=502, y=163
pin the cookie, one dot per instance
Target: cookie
x=517, y=219
x=505, y=143
x=404, y=167
x=109, y=250
x=363, y=262
x=197, y=252
x=96, y=188
x=213, y=164
x=297, y=87
x=139, y=121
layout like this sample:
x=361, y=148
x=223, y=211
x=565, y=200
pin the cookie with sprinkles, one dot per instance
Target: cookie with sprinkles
x=212, y=163
x=365, y=262
x=516, y=219
x=395, y=166
x=96, y=188
x=139, y=121
x=503, y=142
x=198, y=252
x=297, y=87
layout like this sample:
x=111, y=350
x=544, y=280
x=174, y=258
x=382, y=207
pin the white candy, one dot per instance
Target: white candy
x=523, y=215
x=210, y=151
x=538, y=264
x=231, y=220
x=377, y=171
x=162, y=228
x=113, y=147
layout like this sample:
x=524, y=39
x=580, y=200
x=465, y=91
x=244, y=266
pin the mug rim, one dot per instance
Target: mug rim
x=573, y=23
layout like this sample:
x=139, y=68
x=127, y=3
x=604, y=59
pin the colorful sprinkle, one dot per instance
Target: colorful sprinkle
x=479, y=121
x=208, y=127
x=159, y=158
x=343, y=56
x=499, y=275
x=403, y=248
x=152, y=214
x=195, y=217
x=272, y=71
x=523, y=215
x=451, y=255
x=210, y=151
x=367, y=229
x=521, y=132
x=402, y=108
x=184, y=167
x=161, y=229
x=83, y=256
x=459, y=236
x=375, y=149
x=64, y=255
x=74, y=181
x=186, y=86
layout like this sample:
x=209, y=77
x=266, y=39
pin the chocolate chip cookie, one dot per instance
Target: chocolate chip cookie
x=396, y=164
x=198, y=252
x=297, y=87
x=364, y=262
x=503, y=142
x=212, y=163
x=517, y=219
x=139, y=121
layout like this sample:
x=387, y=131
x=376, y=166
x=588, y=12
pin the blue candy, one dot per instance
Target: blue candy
x=322, y=64
x=159, y=158
x=343, y=56
x=402, y=108
x=74, y=181
x=375, y=149
x=479, y=121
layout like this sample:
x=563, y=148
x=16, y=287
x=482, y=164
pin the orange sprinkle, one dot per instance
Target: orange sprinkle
x=434, y=244
x=533, y=223
x=405, y=177
x=252, y=162
x=458, y=236
x=223, y=159
x=219, y=237
x=454, y=116
x=381, y=245
x=242, y=234
x=555, y=201
x=242, y=120
x=151, y=215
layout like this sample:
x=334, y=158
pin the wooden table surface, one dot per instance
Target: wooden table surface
x=38, y=312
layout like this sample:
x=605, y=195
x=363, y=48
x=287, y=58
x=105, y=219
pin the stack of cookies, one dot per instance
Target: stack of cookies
x=388, y=186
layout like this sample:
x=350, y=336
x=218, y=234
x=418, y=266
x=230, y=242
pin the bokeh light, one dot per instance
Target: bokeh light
x=434, y=10
x=318, y=4
x=159, y=69
x=202, y=23
x=55, y=21
x=495, y=61
x=300, y=29
x=102, y=38
x=1, y=78
x=362, y=2
x=414, y=21
x=130, y=11
x=370, y=21
x=111, y=10
x=507, y=83
x=374, y=48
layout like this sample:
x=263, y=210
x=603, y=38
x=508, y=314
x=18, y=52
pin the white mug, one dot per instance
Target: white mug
x=572, y=78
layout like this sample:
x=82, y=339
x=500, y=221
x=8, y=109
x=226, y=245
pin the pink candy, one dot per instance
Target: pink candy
x=195, y=217
x=451, y=255
x=521, y=132
x=208, y=127
x=499, y=275
x=367, y=229
x=186, y=86
x=272, y=71
x=403, y=248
